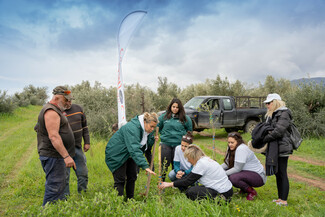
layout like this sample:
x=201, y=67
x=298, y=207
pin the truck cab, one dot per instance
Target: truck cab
x=222, y=112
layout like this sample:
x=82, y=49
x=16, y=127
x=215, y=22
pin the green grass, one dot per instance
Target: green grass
x=22, y=190
x=312, y=148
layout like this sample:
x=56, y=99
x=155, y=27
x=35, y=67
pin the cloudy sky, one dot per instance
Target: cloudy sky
x=54, y=42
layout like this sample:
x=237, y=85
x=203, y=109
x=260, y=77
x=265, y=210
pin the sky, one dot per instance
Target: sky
x=56, y=42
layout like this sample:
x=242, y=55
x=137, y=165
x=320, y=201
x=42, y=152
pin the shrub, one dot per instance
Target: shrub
x=308, y=108
x=99, y=104
x=31, y=96
x=6, y=103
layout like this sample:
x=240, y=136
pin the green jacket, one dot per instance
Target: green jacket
x=172, y=130
x=125, y=143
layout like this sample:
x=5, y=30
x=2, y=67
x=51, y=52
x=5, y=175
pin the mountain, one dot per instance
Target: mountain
x=317, y=80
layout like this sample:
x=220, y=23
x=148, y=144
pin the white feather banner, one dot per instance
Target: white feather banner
x=128, y=26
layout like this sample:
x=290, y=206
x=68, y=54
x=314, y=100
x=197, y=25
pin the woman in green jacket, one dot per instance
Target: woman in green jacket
x=173, y=124
x=124, y=151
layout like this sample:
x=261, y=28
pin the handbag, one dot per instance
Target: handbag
x=295, y=137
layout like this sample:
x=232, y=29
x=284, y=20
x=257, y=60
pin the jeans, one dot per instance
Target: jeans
x=55, y=172
x=172, y=175
x=81, y=172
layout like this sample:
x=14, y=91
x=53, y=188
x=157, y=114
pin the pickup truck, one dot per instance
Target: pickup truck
x=231, y=113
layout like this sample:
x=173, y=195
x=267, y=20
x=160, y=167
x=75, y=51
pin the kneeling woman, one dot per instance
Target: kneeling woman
x=207, y=172
x=245, y=171
x=181, y=166
x=124, y=151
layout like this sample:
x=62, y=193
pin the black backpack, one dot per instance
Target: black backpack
x=295, y=137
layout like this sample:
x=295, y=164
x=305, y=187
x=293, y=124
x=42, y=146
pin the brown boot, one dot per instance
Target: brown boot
x=251, y=193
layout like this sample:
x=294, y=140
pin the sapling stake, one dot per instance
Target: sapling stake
x=151, y=164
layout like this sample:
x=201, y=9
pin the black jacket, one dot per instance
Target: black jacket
x=258, y=141
x=258, y=134
x=280, y=121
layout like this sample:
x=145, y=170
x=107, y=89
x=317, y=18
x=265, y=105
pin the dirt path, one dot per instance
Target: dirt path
x=9, y=132
x=25, y=158
x=313, y=182
x=210, y=135
x=14, y=130
x=309, y=161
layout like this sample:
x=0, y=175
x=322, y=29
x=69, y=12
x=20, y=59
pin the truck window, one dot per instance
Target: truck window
x=194, y=103
x=210, y=105
x=213, y=104
x=227, y=104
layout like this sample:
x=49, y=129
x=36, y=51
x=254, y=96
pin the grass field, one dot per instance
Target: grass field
x=22, y=181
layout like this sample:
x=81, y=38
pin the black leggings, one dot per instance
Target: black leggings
x=282, y=181
x=127, y=172
x=201, y=192
x=167, y=157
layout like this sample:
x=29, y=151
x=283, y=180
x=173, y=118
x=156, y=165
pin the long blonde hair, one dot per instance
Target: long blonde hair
x=275, y=105
x=194, y=152
x=148, y=117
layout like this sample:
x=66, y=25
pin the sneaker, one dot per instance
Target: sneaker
x=276, y=200
x=280, y=203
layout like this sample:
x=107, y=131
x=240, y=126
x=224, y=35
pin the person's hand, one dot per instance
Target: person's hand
x=150, y=171
x=69, y=162
x=165, y=185
x=180, y=174
x=86, y=147
x=156, y=138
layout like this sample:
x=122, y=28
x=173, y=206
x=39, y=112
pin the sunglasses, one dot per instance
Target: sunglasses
x=231, y=134
x=268, y=103
x=188, y=138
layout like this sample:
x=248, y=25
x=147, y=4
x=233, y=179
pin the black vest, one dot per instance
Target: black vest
x=44, y=144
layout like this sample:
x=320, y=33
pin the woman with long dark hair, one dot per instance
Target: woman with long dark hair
x=173, y=124
x=245, y=171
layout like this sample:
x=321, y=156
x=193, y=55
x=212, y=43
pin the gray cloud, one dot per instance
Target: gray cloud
x=186, y=41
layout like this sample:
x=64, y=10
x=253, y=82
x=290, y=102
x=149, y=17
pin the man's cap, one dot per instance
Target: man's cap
x=271, y=97
x=62, y=90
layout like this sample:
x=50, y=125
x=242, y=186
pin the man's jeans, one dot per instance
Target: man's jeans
x=55, y=172
x=81, y=172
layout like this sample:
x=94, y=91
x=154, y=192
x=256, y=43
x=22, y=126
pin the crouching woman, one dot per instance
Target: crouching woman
x=124, y=151
x=245, y=171
x=213, y=179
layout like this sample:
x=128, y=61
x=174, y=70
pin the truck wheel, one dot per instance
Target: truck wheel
x=250, y=125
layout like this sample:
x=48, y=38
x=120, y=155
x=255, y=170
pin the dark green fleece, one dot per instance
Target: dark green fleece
x=125, y=143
